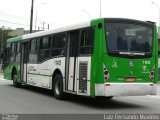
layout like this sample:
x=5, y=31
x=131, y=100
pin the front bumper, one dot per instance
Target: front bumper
x=125, y=89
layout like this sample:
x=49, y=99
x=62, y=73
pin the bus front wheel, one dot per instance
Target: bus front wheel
x=58, y=87
x=14, y=78
x=104, y=98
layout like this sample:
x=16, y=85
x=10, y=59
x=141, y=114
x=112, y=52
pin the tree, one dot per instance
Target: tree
x=3, y=37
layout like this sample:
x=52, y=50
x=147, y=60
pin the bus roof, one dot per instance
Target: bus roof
x=14, y=39
x=48, y=32
x=67, y=28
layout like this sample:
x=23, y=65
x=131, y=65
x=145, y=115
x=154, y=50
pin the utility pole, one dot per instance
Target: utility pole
x=2, y=39
x=158, y=11
x=48, y=26
x=43, y=25
x=100, y=7
x=87, y=14
x=37, y=13
x=31, y=18
x=1, y=44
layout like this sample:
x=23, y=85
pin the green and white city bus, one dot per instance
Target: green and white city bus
x=104, y=57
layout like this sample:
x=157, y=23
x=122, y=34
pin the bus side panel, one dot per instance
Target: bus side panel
x=8, y=71
x=96, y=59
x=83, y=75
x=18, y=73
x=43, y=76
x=57, y=64
x=155, y=51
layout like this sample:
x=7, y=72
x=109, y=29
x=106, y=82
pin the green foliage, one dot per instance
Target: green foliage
x=3, y=37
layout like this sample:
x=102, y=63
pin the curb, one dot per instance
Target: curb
x=3, y=79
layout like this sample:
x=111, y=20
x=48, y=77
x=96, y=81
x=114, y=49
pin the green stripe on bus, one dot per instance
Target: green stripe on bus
x=39, y=74
x=14, y=39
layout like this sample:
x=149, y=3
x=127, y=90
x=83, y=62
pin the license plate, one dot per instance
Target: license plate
x=130, y=79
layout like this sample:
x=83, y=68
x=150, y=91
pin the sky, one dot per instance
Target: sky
x=58, y=13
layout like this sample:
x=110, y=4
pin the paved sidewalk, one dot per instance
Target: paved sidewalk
x=1, y=75
x=158, y=88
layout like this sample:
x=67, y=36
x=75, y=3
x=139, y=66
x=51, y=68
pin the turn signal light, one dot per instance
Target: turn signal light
x=151, y=75
x=106, y=73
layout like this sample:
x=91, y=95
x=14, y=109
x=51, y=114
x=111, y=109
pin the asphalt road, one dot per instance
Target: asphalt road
x=30, y=100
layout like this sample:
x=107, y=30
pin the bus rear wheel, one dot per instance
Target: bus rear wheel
x=15, y=83
x=104, y=98
x=58, y=87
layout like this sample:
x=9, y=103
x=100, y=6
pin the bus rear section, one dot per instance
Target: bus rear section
x=129, y=60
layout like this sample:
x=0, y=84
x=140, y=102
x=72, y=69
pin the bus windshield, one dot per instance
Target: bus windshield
x=129, y=39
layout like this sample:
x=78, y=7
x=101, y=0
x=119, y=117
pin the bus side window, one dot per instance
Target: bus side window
x=45, y=48
x=38, y=44
x=45, y=43
x=13, y=53
x=18, y=47
x=58, y=45
x=86, y=41
x=17, y=52
x=8, y=52
x=33, y=52
x=12, y=48
x=33, y=45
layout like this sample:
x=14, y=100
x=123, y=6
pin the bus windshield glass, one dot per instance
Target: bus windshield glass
x=129, y=39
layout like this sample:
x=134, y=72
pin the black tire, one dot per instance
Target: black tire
x=58, y=87
x=14, y=78
x=104, y=98
x=108, y=98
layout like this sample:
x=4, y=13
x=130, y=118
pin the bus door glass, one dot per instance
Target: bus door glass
x=24, y=60
x=71, y=60
x=84, y=60
x=32, y=62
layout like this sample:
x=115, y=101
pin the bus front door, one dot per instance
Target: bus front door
x=71, y=61
x=24, y=60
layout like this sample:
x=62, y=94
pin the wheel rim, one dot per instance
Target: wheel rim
x=57, y=87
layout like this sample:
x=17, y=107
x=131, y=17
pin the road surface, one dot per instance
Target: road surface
x=30, y=100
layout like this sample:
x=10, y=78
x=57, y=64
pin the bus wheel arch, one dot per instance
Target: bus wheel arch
x=14, y=77
x=57, y=84
x=14, y=71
